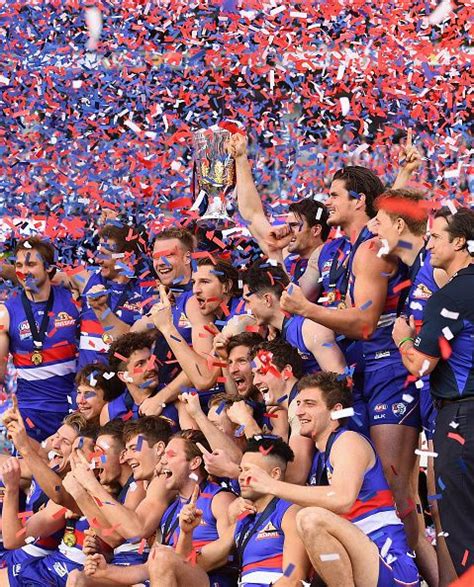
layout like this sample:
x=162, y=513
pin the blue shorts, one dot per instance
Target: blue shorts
x=39, y=424
x=14, y=561
x=427, y=410
x=396, y=567
x=51, y=571
x=127, y=559
x=383, y=393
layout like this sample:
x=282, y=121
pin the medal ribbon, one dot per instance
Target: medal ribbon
x=38, y=336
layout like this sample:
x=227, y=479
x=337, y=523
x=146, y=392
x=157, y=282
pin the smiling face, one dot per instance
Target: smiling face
x=30, y=270
x=107, y=256
x=269, y=384
x=340, y=205
x=90, y=401
x=176, y=466
x=141, y=371
x=141, y=457
x=388, y=230
x=270, y=465
x=171, y=261
x=61, y=447
x=302, y=240
x=111, y=454
x=210, y=293
x=313, y=414
x=240, y=369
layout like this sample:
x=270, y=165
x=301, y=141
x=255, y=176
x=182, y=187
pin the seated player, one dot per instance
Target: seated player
x=350, y=529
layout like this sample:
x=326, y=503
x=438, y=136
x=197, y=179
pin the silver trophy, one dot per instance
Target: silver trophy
x=215, y=175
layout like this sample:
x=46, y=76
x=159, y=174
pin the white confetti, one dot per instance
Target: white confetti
x=454, y=424
x=406, y=397
x=194, y=477
x=419, y=384
x=76, y=84
x=386, y=547
x=448, y=314
x=426, y=453
x=448, y=335
x=345, y=105
x=344, y=413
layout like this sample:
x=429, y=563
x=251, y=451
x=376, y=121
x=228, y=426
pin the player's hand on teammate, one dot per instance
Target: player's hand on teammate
x=11, y=473
x=293, y=300
x=238, y=508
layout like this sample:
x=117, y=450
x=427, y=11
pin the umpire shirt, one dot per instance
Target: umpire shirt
x=448, y=333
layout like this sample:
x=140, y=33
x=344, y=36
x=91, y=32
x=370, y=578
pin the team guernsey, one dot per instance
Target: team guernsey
x=292, y=332
x=128, y=301
x=423, y=285
x=54, y=569
x=205, y=533
x=16, y=559
x=375, y=515
x=295, y=266
x=125, y=408
x=389, y=394
x=260, y=540
x=45, y=372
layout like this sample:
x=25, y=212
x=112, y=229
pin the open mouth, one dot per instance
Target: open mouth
x=55, y=458
x=166, y=473
x=162, y=271
x=240, y=382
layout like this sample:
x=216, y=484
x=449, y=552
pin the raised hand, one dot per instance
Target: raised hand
x=237, y=145
x=191, y=403
x=293, y=300
x=97, y=298
x=161, y=312
x=190, y=516
x=11, y=473
x=239, y=507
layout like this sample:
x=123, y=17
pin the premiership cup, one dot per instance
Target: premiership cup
x=215, y=175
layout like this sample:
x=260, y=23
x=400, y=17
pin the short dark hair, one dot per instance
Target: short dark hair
x=113, y=428
x=111, y=388
x=126, y=345
x=314, y=213
x=126, y=237
x=191, y=438
x=360, y=180
x=89, y=431
x=460, y=225
x=248, y=339
x=270, y=445
x=335, y=388
x=218, y=398
x=408, y=204
x=153, y=429
x=45, y=249
x=185, y=237
x=282, y=354
x=223, y=270
x=264, y=277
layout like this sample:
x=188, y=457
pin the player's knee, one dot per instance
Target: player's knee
x=310, y=520
x=162, y=558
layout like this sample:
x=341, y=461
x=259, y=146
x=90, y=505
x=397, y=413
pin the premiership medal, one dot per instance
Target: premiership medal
x=69, y=538
x=341, y=305
x=36, y=358
x=331, y=297
x=107, y=338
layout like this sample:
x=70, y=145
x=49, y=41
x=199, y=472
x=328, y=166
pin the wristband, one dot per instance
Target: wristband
x=404, y=340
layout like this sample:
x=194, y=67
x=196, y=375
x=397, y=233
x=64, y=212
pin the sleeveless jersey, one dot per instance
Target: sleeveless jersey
x=125, y=408
x=380, y=349
x=128, y=301
x=295, y=266
x=332, y=263
x=47, y=385
x=205, y=533
x=292, y=333
x=422, y=288
x=262, y=556
x=374, y=508
x=74, y=553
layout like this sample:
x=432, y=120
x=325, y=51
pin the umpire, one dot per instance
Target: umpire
x=444, y=348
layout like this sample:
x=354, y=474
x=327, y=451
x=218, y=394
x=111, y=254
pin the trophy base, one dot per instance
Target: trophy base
x=215, y=217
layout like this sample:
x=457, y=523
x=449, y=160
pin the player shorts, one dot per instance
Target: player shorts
x=396, y=567
x=388, y=397
x=53, y=571
x=127, y=559
x=40, y=424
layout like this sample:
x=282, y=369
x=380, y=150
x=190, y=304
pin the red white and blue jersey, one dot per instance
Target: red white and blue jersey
x=374, y=509
x=125, y=408
x=422, y=288
x=295, y=266
x=47, y=385
x=292, y=332
x=205, y=533
x=262, y=556
x=128, y=301
x=379, y=349
x=74, y=553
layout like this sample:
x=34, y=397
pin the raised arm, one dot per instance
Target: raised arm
x=310, y=280
x=322, y=344
x=13, y=535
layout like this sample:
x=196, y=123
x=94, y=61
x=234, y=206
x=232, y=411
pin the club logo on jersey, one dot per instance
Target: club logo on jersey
x=132, y=307
x=63, y=319
x=269, y=531
x=183, y=321
x=380, y=408
x=61, y=569
x=422, y=292
x=399, y=409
